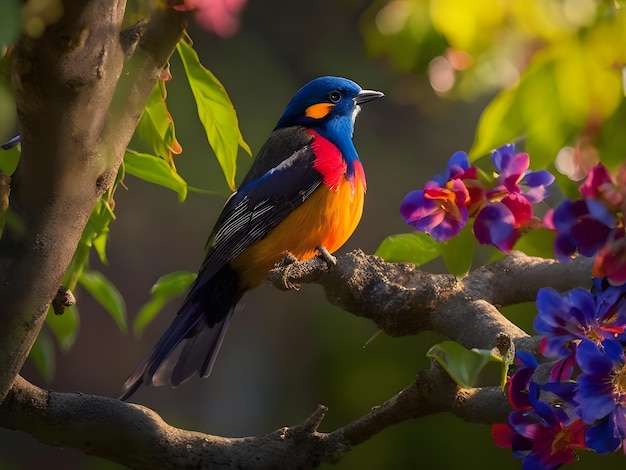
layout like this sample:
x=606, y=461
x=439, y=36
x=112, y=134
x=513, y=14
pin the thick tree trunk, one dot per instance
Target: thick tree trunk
x=80, y=89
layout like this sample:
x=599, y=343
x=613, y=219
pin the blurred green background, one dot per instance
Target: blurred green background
x=284, y=352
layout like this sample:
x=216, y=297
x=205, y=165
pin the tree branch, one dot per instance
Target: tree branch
x=402, y=300
x=137, y=437
x=79, y=93
x=396, y=296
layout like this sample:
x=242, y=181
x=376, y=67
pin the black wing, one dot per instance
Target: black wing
x=281, y=178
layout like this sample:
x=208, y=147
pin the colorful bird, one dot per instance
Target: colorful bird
x=304, y=191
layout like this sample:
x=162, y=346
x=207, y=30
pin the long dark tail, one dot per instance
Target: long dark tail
x=191, y=343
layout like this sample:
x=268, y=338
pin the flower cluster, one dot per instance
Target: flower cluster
x=594, y=225
x=501, y=206
x=583, y=403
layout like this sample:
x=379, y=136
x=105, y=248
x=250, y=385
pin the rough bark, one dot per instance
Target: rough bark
x=80, y=90
x=398, y=297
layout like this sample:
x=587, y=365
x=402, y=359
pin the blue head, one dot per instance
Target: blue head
x=328, y=105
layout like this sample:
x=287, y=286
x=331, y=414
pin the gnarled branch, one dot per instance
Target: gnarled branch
x=403, y=300
x=137, y=437
x=398, y=297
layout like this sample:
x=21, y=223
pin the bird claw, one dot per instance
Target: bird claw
x=325, y=256
x=286, y=263
x=287, y=260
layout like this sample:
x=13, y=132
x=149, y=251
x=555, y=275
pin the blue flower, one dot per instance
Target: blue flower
x=576, y=315
x=601, y=394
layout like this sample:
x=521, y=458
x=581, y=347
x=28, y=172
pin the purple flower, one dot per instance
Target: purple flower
x=520, y=381
x=457, y=167
x=501, y=221
x=502, y=213
x=574, y=316
x=438, y=211
x=611, y=259
x=583, y=226
x=498, y=223
x=595, y=225
x=514, y=176
x=610, y=302
x=544, y=437
x=601, y=394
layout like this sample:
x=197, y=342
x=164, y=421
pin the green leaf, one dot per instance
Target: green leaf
x=10, y=22
x=612, y=140
x=457, y=253
x=65, y=327
x=106, y=294
x=216, y=112
x=94, y=235
x=173, y=284
x=469, y=368
x=96, y=232
x=146, y=314
x=533, y=110
x=155, y=170
x=164, y=289
x=417, y=247
x=79, y=262
x=43, y=355
x=537, y=242
x=156, y=126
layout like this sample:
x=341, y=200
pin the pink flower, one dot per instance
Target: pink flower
x=219, y=16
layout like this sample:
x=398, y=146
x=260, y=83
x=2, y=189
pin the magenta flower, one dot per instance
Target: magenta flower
x=514, y=176
x=501, y=222
x=458, y=167
x=611, y=259
x=501, y=213
x=599, y=185
x=219, y=16
x=545, y=436
x=438, y=211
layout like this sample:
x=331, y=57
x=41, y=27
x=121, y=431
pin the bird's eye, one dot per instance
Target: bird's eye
x=334, y=96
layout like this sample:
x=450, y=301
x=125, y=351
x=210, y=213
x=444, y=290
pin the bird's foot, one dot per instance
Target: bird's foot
x=325, y=256
x=286, y=263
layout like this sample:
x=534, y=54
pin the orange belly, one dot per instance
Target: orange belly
x=327, y=218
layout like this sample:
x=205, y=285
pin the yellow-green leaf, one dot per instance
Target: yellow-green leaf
x=43, y=355
x=216, y=112
x=457, y=253
x=65, y=327
x=155, y=170
x=469, y=368
x=156, y=126
x=106, y=294
x=164, y=289
x=417, y=248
